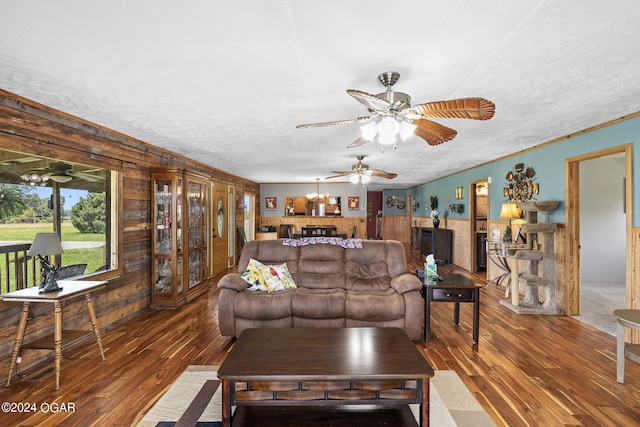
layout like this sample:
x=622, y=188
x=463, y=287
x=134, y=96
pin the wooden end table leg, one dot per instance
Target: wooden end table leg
x=424, y=406
x=57, y=339
x=476, y=314
x=456, y=313
x=94, y=323
x=427, y=314
x=226, y=404
x=17, y=345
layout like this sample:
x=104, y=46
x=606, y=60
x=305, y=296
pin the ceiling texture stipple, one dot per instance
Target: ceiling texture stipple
x=226, y=83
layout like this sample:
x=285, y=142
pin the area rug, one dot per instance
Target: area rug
x=194, y=399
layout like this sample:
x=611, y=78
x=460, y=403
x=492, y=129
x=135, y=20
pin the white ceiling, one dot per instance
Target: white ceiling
x=226, y=82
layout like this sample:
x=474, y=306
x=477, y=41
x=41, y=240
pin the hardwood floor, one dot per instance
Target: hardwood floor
x=526, y=370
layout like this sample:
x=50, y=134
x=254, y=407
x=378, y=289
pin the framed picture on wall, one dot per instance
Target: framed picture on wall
x=353, y=202
x=271, y=203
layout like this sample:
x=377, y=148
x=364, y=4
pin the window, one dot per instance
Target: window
x=77, y=201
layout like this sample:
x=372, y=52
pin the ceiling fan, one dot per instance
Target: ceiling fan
x=61, y=172
x=360, y=173
x=392, y=115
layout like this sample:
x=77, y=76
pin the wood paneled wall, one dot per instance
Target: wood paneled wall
x=28, y=127
x=396, y=228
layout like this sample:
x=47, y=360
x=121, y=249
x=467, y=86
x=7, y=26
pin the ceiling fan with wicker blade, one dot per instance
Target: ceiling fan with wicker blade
x=362, y=173
x=62, y=172
x=392, y=115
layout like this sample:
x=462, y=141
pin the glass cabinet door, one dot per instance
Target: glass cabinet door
x=197, y=199
x=163, y=240
x=166, y=215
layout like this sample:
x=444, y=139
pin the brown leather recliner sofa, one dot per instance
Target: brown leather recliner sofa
x=336, y=287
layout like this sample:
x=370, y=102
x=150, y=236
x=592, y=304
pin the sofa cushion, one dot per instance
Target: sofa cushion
x=269, y=252
x=263, y=305
x=374, y=305
x=318, y=303
x=321, y=266
x=367, y=269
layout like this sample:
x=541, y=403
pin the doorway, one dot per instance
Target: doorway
x=220, y=228
x=374, y=207
x=585, y=243
x=249, y=217
x=478, y=220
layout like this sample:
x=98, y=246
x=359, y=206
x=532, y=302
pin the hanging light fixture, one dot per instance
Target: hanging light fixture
x=61, y=178
x=360, y=178
x=317, y=195
x=387, y=130
x=33, y=178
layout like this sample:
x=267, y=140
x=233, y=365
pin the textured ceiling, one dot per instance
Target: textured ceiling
x=226, y=82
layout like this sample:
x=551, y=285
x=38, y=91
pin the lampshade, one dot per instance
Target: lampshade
x=406, y=129
x=509, y=210
x=387, y=131
x=45, y=244
x=369, y=131
x=362, y=178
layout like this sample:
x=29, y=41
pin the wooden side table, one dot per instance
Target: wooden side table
x=627, y=318
x=453, y=288
x=70, y=289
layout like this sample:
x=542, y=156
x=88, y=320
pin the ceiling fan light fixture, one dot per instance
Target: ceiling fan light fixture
x=406, y=129
x=388, y=126
x=355, y=179
x=385, y=139
x=369, y=131
x=60, y=178
x=365, y=178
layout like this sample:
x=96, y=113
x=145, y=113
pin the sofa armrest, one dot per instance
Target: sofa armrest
x=406, y=282
x=233, y=281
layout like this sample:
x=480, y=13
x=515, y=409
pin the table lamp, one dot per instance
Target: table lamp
x=44, y=245
x=509, y=210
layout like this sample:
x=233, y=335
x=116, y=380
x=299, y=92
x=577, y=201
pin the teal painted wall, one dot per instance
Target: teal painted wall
x=547, y=161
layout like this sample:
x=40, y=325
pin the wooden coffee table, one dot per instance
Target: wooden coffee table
x=317, y=367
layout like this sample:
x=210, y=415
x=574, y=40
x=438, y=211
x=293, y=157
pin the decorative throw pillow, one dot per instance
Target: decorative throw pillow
x=270, y=278
x=254, y=275
x=278, y=277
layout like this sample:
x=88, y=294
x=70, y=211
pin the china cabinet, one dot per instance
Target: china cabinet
x=179, y=239
x=197, y=238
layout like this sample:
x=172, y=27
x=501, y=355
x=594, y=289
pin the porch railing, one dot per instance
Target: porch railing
x=17, y=269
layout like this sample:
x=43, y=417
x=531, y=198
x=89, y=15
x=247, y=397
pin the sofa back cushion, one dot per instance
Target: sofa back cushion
x=366, y=268
x=321, y=266
x=373, y=266
x=269, y=252
x=396, y=259
x=325, y=266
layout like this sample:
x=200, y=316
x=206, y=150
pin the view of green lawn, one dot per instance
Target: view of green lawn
x=93, y=257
